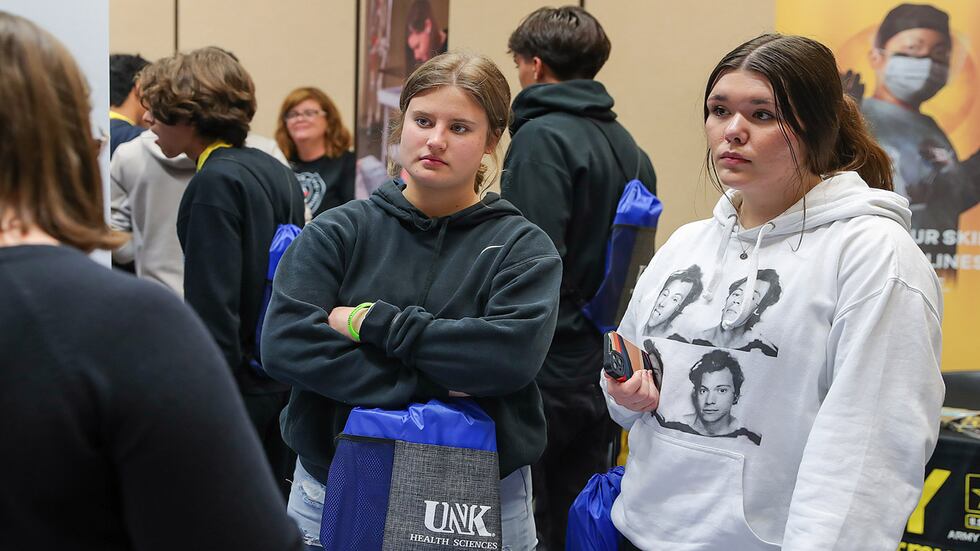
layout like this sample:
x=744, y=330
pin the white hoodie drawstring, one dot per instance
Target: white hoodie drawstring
x=720, y=257
x=744, y=310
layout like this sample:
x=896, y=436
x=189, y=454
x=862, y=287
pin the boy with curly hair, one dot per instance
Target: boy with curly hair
x=201, y=104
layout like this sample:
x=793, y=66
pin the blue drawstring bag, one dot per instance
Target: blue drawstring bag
x=281, y=240
x=283, y=237
x=421, y=478
x=630, y=246
x=590, y=526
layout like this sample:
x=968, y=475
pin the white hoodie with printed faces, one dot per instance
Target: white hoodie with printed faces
x=801, y=387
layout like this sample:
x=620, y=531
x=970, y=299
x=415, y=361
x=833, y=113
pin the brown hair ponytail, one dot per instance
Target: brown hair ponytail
x=856, y=149
x=811, y=102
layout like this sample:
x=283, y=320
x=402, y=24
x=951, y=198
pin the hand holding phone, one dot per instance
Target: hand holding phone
x=621, y=358
x=637, y=372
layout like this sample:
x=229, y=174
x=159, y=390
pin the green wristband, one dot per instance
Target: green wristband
x=350, y=320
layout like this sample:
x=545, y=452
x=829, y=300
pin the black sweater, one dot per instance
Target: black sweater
x=466, y=302
x=121, y=427
x=327, y=182
x=225, y=224
x=560, y=171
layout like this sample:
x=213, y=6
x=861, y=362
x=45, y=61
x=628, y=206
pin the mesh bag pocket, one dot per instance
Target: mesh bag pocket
x=356, y=502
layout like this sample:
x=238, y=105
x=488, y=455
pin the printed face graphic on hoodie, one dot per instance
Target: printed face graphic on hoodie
x=735, y=299
x=444, y=138
x=670, y=300
x=715, y=398
x=747, y=145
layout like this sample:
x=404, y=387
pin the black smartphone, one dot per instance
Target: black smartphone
x=615, y=359
x=621, y=358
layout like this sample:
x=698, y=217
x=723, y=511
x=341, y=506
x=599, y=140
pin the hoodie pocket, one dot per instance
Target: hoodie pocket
x=683, y=496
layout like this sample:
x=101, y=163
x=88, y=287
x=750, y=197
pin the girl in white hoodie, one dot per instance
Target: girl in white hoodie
x=801, y=417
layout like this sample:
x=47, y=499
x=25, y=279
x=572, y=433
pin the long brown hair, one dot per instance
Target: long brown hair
x=475, y=75
x=811, y=101
x=336, y=138
x=49, y=172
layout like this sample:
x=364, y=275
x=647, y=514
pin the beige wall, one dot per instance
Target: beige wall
x=483, y=27
x=144, y=27
x=283, y=44
x=661, y=56
x=662, y=53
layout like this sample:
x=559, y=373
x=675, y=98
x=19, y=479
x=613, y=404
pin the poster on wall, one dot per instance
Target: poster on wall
x=947, y=517
x=913, y=68
x=396, y=37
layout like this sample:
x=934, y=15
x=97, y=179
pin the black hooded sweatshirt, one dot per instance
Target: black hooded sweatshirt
x=466, y=302
x=225, y=224
x=564, y=176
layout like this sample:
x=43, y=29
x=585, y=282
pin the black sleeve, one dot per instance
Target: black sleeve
x=191, y=471
x=213, y=272
x=504, y=347
x=300, y=348
x=647, y=175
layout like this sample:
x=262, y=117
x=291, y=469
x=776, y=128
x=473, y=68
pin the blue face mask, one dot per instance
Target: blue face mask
x=915, y=79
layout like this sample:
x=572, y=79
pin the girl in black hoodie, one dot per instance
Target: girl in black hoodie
x=421, y=291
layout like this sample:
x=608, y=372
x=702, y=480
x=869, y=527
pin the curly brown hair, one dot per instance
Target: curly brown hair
x=49, y=170
x=206, y=88
x=337, y=138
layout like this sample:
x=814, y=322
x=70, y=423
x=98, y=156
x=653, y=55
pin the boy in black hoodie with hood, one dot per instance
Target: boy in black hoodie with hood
x=563, y=175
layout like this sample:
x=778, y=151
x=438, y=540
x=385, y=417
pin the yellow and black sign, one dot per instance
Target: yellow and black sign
x=948, y=515
x=973, y=493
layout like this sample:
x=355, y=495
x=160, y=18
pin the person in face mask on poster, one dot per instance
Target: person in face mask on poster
x=911, y=59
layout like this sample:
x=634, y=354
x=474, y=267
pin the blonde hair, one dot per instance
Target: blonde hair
x=336, y=138
x=206, y=88
x=49, y=171
x=475, y=75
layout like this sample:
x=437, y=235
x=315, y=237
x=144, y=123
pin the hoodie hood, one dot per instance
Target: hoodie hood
x=389, y=198
x=840, y=197
x=148, y=140
x=583, y=98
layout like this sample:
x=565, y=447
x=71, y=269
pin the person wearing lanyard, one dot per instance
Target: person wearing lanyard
x=125, y=109
x=201, y=104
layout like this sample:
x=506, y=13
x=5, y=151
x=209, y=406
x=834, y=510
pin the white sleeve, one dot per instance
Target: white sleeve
x=629, y=329
x=622, y=416
x=121, y=218
x=863, y=466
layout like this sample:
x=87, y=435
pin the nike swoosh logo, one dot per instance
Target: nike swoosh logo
x=491, y=247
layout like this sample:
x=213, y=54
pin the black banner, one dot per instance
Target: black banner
x=948, y=515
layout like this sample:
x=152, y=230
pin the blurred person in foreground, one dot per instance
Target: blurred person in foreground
x=128, y=432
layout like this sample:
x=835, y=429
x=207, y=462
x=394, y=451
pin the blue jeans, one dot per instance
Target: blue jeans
x=305, y=507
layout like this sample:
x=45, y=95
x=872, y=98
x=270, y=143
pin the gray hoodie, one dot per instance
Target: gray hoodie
x=146, y=189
